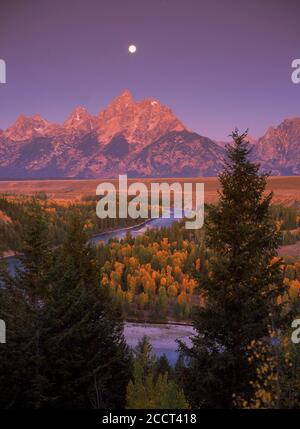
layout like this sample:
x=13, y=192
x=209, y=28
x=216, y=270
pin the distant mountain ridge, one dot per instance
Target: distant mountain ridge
x=142, y=139
x=279, y=149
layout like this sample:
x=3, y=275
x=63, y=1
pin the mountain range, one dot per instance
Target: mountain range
x=142, y=139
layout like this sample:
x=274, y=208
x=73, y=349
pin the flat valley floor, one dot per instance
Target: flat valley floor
x=286, y=189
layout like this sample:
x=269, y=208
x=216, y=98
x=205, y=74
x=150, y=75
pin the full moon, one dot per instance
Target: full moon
x=132, y=49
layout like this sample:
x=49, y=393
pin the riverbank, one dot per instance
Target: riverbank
x=158, y=322
x=8, y=254
x=117, y=229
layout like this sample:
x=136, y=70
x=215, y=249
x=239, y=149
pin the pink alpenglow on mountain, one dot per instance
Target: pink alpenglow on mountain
x=141, y=138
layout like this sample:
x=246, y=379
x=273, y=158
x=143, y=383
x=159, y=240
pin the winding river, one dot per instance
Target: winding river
x=134, y=230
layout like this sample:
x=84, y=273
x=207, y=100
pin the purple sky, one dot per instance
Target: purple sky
x=217, y=64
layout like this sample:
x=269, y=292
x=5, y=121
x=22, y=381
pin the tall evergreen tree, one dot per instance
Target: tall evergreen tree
x=88, y=363
x=242, y=286
x=22, y=305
